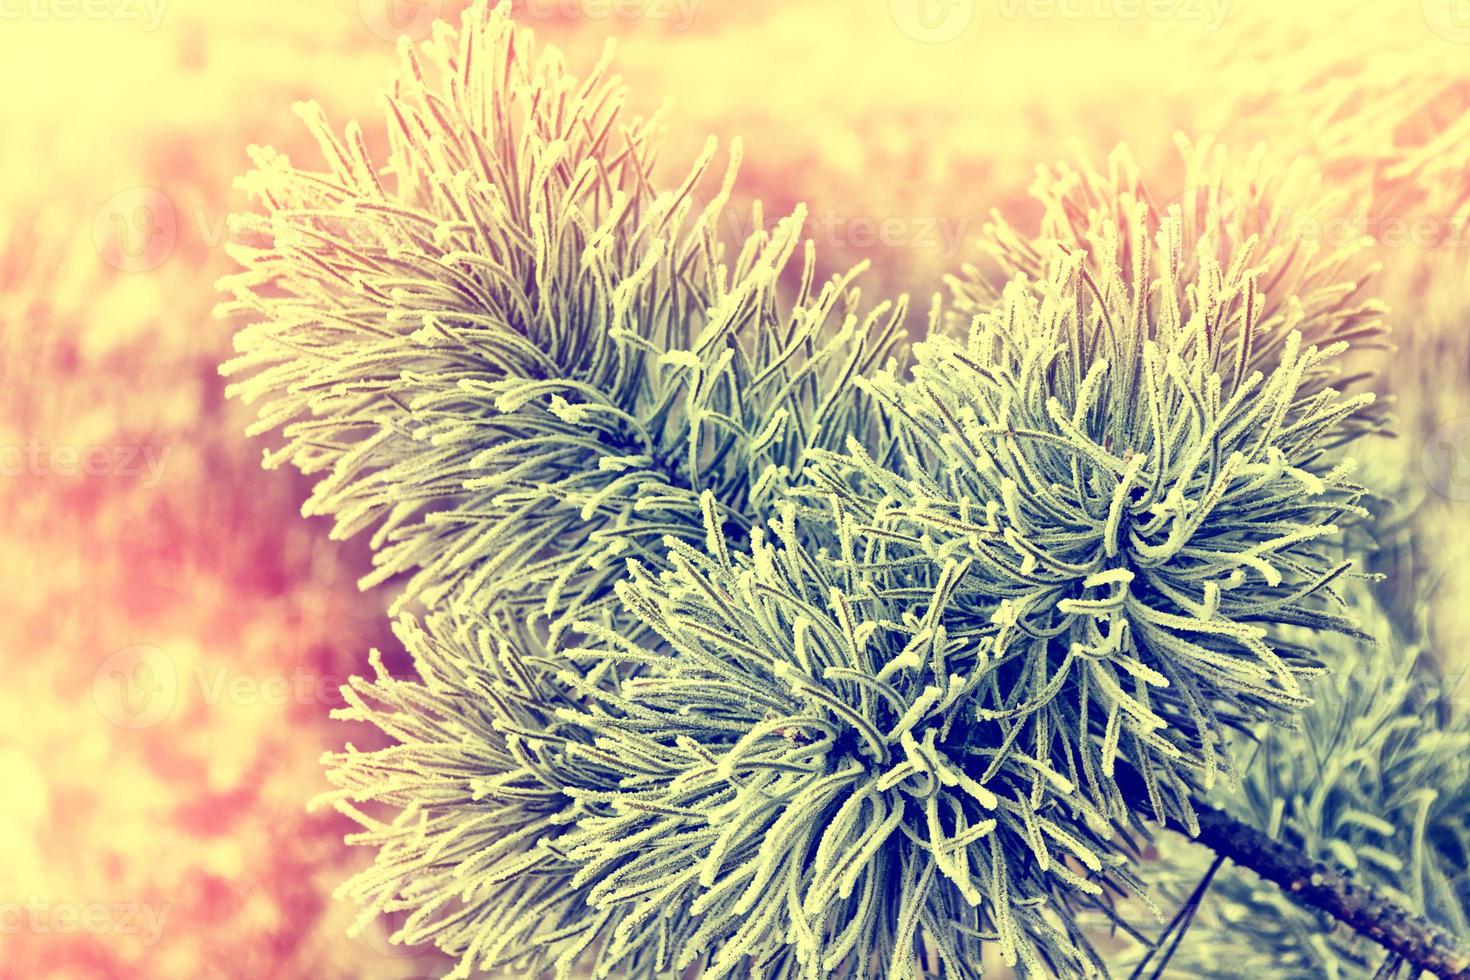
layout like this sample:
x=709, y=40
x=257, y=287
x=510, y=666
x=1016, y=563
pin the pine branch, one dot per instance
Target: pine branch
x=1318, y=886
x=1312, y=883
x=755, y=650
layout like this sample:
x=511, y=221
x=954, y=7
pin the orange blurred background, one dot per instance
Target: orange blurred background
x=175, y=632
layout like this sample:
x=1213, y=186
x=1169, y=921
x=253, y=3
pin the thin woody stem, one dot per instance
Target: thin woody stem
x=1421, y=943
x=1316, y=885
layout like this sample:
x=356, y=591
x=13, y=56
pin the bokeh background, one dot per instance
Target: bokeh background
x=173, y=632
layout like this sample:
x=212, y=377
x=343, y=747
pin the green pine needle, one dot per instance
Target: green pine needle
x=750, y=648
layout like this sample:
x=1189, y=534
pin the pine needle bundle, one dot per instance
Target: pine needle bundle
x=475, y=779
x=1283, y=224
x=919, y=735
x=511, y=355
x=777, y=783
x=808, y=783
x=1144, y=517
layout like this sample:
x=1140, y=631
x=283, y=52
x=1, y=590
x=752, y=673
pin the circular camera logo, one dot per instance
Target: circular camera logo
x=136, y=687
x=1450, y=19
x=932, y=21
x=377, y=935
x=392, y=19
x=135, y=230
x=1446, y=459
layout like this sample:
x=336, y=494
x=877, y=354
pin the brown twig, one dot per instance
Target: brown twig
x=1311, y=883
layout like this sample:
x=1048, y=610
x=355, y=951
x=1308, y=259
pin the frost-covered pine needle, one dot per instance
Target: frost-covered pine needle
x=786, y=779
x=746, y=653
x=1142, y=515
x=1283, y=226
x=511, y=354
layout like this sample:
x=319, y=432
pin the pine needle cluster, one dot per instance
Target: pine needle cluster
x=1282, y=225
x=785, y=779
x=1142, y=516
x=509, y=354
x=745, y=640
